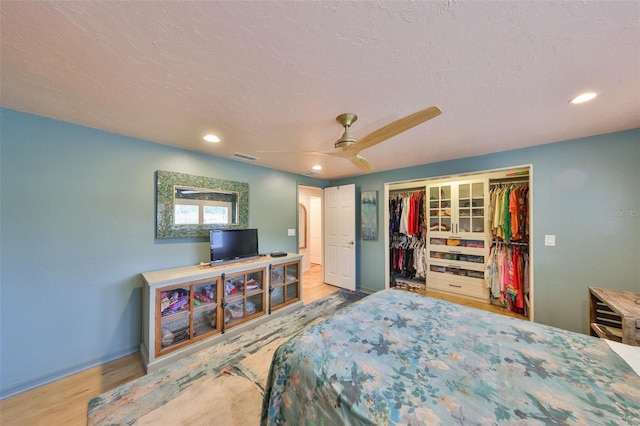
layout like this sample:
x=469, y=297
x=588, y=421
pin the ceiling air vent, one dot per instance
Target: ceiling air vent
x=244, y=157
x=310, y=173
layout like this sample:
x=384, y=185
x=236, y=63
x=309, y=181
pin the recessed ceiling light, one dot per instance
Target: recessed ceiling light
x=585, y=97
x=211, y=138
x=317, y=167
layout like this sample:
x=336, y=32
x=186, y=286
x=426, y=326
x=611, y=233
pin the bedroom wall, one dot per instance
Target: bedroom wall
x=585, y=191
x=77, y=227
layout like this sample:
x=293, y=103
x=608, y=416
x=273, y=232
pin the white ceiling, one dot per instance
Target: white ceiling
x=273, y=75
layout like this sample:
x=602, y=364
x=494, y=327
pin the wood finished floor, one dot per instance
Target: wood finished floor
x=471, y=303
x=65, y=401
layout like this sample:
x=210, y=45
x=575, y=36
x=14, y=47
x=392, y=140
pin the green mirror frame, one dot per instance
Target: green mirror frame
x=165, y=188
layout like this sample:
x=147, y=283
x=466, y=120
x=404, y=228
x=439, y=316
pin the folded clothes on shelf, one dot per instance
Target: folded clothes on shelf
x=252, y=285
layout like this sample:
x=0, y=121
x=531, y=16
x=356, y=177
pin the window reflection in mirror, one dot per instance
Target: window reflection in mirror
x=190, y=206
x=202, y=206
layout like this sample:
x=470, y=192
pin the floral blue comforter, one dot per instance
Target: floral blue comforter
x=401, y=358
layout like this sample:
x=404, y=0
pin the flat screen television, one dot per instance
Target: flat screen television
x=231, y=245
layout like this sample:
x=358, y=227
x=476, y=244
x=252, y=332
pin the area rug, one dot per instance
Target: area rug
x=219, y=385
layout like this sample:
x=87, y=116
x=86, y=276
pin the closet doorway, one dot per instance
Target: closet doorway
x=464, y=225
x=311, y=199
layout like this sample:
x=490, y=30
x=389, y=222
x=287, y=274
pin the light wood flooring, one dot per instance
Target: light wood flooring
x=65, y=401
x=471, y=303
x=313, y=287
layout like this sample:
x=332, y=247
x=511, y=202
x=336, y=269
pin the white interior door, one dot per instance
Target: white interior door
x=340, y=236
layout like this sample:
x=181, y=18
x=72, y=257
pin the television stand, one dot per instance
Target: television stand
x=230, y=261
x=187, y=309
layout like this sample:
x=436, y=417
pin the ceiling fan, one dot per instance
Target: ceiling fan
x=349, y=148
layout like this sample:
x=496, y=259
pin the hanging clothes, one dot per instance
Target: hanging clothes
x=507, y=268
x=394, y=216
x=406, y=227
x=416, y=213
x=509, y=205
x=507, y=275
x=506, y=215
x=406, y=213
x=404, y=218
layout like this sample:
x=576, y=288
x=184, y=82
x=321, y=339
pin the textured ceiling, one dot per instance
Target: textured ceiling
x=274, y=75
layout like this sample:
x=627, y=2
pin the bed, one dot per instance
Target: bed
x=397, y=357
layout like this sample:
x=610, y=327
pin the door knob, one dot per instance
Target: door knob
x=351, y=242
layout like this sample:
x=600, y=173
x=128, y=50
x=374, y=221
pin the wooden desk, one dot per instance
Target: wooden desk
x=614, y=315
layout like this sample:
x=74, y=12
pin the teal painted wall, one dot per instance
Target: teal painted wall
x=77, y=219
x=77, y=228
x=585, y=191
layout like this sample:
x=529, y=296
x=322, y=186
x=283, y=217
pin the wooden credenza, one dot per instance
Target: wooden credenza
x=614, y=315
x=187, y=309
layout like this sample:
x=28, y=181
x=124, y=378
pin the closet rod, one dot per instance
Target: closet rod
x=510, y=179
x=406, y=191
x=515, y=243
x=508, y=182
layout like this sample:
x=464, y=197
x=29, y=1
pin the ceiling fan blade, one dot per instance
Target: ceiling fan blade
x=356, y=159
x=394, y=128
x=331, y=152
x=362, y=163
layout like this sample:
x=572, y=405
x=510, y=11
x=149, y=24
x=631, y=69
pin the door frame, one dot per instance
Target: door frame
x=304, y=193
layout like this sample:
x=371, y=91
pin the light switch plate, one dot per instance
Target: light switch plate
x=550, y=240
x=291, y=232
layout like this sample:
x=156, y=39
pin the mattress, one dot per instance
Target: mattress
x=397, y=357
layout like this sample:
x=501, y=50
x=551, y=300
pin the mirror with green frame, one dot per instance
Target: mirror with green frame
x=191, y=206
